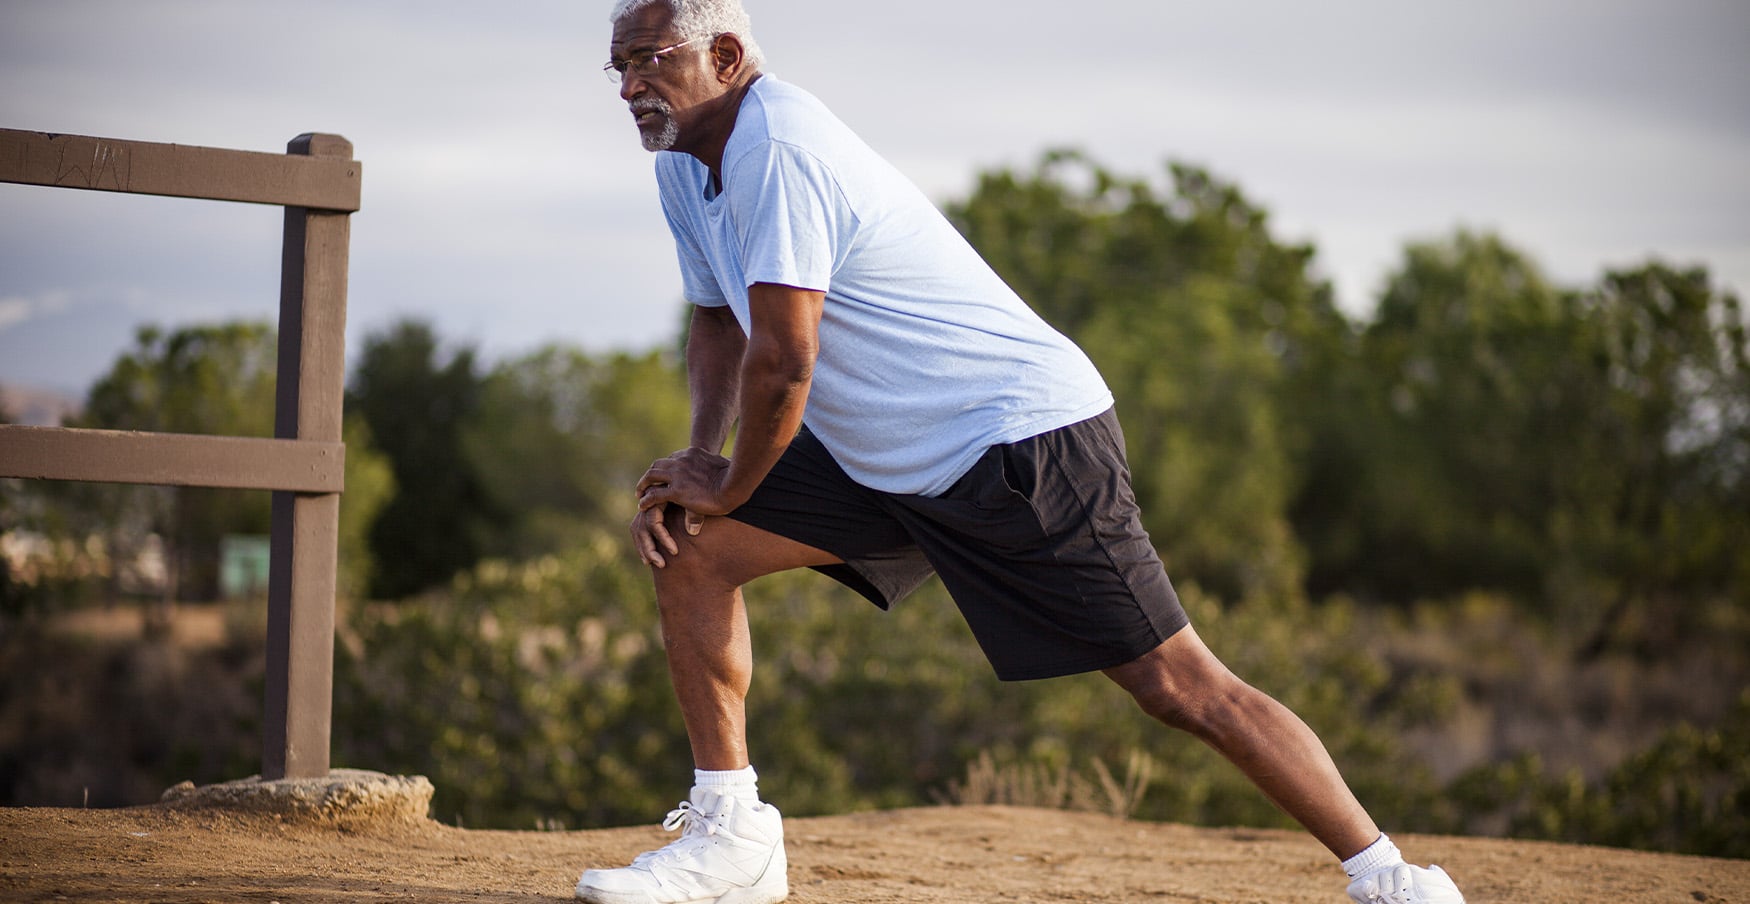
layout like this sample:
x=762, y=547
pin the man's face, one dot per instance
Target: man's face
x=666, y=100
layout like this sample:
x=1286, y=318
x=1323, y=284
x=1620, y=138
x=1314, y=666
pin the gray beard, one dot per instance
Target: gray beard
x=664, y=138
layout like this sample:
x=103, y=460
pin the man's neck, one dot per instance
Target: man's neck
x=711, y=153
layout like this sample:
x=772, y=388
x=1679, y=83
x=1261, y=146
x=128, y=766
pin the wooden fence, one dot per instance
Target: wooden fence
x=317, y=182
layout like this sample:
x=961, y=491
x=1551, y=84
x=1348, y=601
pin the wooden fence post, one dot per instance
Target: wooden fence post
x=301, y=579
x=317, y=181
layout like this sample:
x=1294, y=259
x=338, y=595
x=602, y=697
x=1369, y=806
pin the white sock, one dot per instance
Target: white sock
x=1378, y=855
x=737, y=783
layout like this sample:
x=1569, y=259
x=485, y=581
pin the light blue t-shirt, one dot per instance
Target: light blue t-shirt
x=927, y=358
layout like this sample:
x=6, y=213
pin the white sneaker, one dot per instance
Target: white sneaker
x=1405, y=884
x=729, y=852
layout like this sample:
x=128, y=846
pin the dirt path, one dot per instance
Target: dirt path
x=931, y=855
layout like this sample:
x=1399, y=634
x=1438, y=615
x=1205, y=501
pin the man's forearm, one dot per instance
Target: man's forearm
x=777, y=370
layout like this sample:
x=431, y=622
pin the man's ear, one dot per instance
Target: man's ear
x=726, y=57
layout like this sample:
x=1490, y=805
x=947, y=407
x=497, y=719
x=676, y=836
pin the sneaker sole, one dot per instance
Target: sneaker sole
x=754, y=895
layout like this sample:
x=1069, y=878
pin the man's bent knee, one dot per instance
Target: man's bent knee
x=697, y=558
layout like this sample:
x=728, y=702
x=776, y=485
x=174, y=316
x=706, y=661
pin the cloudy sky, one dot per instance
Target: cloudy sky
x=506, y=199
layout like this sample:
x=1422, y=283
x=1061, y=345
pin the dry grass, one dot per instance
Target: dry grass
x=1054, y=787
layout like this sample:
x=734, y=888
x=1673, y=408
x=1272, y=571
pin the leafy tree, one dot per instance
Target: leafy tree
x=216, y=380
x=370, y=484
x=1659, y=488
x=1583, y=451
x=1466, y=378
x=417, y=408
x=561, y=438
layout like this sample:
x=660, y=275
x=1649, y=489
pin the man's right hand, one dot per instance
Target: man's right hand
x=651, y=537
x=689, y=474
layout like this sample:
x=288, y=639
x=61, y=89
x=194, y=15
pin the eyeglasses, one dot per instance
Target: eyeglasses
x=642, y=65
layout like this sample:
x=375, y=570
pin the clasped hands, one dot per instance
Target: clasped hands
x=691, y=479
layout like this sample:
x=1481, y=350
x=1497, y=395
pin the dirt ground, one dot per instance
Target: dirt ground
x=930, y=855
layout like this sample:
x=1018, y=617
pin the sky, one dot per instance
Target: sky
x=506, y=199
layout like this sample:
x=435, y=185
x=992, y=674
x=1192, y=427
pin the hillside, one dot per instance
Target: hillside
x=36, y=406
x=929, y=855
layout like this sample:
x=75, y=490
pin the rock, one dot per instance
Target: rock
x=346, y=797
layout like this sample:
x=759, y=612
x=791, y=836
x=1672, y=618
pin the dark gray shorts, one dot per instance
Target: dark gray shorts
x=1040, y=544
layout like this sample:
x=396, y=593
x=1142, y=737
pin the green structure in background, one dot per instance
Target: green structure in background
x=243, y=562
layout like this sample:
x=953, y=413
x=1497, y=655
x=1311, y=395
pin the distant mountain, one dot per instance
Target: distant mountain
x=37, y=407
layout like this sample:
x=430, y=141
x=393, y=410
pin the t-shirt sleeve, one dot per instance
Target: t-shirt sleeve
x=698, y=283
x=790, y=216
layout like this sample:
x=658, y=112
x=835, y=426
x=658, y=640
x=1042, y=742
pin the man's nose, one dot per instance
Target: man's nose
x=631, y=84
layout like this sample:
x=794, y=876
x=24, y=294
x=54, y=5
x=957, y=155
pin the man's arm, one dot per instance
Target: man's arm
x=777, y=371
x=773, y=376
x=715, y=346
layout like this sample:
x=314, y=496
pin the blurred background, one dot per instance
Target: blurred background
x=1424, y=323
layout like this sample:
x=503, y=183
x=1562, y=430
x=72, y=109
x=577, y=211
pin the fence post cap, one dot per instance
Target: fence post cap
x=319, y=144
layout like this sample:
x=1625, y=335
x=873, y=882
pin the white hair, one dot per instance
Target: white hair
x=703, y=21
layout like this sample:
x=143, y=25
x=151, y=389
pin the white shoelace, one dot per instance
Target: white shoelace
x=690, y=821
x=686, y=815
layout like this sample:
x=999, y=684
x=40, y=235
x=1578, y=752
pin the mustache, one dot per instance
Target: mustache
x=644, y=105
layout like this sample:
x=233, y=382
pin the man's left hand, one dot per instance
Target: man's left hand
x=692, y=479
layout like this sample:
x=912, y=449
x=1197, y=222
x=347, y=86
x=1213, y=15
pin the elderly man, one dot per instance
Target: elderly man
x=899, y=412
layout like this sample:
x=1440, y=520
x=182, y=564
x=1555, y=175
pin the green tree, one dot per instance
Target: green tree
x=1657, y=493
x=370, y=484
x=561, y=437
x=214, y=379
x=1458, y=413
x=1569, y=448
x=417, y=408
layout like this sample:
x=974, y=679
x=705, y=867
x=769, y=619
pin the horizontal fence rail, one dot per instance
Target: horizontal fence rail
x=172, y=459
x=179, y=171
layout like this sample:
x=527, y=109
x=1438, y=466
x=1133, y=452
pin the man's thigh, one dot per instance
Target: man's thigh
x=1042, y=547
x=737, y=552
x=810, y=501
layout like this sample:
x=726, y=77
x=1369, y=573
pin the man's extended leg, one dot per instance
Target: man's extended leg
x=731, y=847
x=1185, y=686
